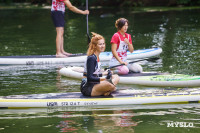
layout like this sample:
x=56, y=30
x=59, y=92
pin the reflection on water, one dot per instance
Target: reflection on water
x=105, y=119
x=32, y=33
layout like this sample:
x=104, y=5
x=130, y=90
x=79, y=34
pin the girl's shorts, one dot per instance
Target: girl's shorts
x=86, y=88
x=58, y=18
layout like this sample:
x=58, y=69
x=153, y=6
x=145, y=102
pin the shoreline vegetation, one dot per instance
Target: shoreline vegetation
x=131, y=9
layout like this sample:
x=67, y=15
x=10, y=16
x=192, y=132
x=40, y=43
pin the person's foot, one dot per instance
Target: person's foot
x=107, y=93
x=61, y=56
x=67, y=54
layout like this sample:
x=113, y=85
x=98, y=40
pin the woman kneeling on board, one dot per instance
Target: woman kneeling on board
x=93, y=84
x=120, y=43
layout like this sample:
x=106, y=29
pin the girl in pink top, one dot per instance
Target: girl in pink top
x=120, y=43
x=58, y=17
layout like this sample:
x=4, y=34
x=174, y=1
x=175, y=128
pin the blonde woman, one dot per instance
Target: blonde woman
x=93, y=84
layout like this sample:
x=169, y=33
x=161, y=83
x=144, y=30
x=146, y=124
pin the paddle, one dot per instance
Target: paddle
x=148, y=59
x=81, y=54
x=87, y=23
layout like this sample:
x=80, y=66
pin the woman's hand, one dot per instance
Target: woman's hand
x=86, y=12
x=75, y=9
x=106, y=72
x=109, y=75
x=130, y=45
x=122, y=62
x=126, y=41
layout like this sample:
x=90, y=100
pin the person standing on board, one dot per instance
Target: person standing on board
x=120, y=43
x=93, y=84
x=58, y=17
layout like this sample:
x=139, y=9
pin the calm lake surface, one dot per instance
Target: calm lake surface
x=31, y=32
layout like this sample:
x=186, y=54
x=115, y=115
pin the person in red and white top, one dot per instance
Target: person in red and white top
x=58, y=5
x=120, y=43
x=58, y=17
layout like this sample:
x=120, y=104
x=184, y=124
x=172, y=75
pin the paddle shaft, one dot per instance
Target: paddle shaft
x=149, y=59
x=87, y=23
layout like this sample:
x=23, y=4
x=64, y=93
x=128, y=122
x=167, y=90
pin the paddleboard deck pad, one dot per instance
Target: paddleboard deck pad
x=121, y=97
x=74, y=58
x=144, y=78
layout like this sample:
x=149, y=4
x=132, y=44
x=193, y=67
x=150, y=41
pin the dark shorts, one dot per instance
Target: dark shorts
x=86, y=88
x=58, y=18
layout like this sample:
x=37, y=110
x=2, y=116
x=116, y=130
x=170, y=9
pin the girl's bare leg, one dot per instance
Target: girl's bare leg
x=59, y=42
x=62, y=48
x=115, y=79
x=104, y=88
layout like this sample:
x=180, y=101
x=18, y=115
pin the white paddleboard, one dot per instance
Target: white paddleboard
x=75, y=58
x=76, y=99
x=145, y=78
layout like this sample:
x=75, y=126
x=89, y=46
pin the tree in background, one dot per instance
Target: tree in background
x=119, y=3
x=188, y=2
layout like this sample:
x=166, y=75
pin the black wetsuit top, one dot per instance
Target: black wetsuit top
x=92, y=72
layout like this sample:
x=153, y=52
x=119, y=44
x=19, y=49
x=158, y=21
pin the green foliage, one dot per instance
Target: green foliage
x=183, y=1
x=78, y=2
x=131, y=3
x=120, y=3
x=189, y=2
x=7, y=1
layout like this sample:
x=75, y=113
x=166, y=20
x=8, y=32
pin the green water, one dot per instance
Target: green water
x=31, y=32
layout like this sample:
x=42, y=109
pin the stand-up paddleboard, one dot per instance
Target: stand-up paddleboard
x=123, y=97
x=25, y=111
x=75, y=58
x=145, y=78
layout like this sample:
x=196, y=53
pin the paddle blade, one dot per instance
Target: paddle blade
x=153, y=59
x=89, y=39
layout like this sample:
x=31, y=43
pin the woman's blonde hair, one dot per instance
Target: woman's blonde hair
x=119, y=23
x=94, y=41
